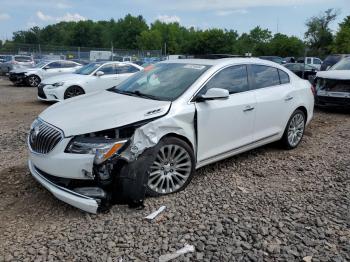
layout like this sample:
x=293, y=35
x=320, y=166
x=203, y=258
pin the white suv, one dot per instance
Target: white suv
x=91, y=77
x=149, y=134
x=34, y=75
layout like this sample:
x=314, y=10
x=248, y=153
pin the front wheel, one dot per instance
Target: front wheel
x=172, y=168
x=33, y=80
x=73, y=91
x=294, y=131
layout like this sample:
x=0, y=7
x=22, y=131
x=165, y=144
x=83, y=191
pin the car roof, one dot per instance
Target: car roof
x=222, y=61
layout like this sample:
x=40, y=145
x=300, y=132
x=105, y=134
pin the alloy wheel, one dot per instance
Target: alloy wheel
x=170, y=170
x=73, y=91
x=296, y=129
x=33, y=81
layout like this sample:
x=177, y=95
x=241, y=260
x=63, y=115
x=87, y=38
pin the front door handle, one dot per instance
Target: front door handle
x=248, y=108
x=288, y=98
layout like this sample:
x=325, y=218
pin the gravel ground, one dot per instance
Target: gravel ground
x=264, y=205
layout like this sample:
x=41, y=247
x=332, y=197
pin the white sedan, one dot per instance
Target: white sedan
x=150, y=133
x=91, y=77
x=34, y=75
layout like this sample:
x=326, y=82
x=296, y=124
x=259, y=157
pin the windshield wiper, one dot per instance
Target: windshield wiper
x=136, y=93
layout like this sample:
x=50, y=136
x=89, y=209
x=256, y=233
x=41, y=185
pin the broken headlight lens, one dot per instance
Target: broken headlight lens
x=102, y=148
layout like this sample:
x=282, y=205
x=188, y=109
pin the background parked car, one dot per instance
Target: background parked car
x=302, y=70
x=289, y=59
x=16, y=61
x=332, y=60
x=33, y=76
x=276, y=59
x=312, y=61
x=333, y=86
x=92, y=77
x=3, y=58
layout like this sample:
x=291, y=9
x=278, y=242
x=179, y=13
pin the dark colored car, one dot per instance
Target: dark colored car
x=332, y=60
x=298, y=69
x=276, y=59
x=333, y=86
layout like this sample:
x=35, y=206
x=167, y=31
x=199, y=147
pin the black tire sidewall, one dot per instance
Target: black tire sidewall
x=179, y=142
x=285, y=140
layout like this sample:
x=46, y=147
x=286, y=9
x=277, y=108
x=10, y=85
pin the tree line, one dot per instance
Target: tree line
x=133, y=32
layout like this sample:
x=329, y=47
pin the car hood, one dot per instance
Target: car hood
x=101, y=110
x=335, y=74
x=64, y=77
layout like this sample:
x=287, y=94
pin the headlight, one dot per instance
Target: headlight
x=55, y=85
x=101, y=147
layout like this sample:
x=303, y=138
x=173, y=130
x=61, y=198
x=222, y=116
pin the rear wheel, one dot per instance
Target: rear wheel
x=73, y=91
x=172, y=168
x=33, y=80
x=294, y=131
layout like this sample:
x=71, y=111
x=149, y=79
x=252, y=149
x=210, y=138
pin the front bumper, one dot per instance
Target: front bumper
x=18, y=78
x=45, y=94
x=68, y=196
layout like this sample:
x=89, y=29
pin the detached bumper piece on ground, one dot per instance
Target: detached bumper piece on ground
x=17, y=78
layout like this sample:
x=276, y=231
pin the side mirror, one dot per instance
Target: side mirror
x=99, y=73
x=214, y=93
x=46, y=67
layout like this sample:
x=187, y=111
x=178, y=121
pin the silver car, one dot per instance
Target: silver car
x=16, y=61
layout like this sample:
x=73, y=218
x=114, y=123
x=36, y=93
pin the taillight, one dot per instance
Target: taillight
x=313, y=89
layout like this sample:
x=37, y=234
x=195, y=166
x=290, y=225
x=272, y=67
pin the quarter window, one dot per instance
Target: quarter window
x=284, y=77
x=308, y=61
x=265, y=76
x=234, y=79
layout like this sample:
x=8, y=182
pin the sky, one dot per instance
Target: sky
x=284, y=16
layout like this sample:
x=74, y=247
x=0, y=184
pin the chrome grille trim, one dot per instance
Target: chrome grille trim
x=43, y=137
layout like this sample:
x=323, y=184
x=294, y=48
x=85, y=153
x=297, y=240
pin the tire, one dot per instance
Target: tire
x=73, y=91
x=33, y=80
x=167, y=177
x=294, y=132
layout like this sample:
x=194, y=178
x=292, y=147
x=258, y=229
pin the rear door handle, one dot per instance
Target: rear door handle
x=248, y=108
x=288, y=98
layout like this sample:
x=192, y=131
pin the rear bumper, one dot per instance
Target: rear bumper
x=327, y=101
x=68, y=196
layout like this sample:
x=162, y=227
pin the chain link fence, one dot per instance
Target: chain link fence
x=39, y=51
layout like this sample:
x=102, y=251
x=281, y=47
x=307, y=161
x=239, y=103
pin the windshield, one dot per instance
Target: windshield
x=88, y=69
x=165, y=81
x=343, y=64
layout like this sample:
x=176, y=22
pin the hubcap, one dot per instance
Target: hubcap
x=296, y=129
x=171, y=169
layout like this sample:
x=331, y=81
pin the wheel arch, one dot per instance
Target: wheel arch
x=181, y=137
x=37, y=75
x=304, y=110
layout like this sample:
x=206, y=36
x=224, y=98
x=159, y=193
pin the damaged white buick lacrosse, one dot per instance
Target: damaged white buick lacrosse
x=149, y=134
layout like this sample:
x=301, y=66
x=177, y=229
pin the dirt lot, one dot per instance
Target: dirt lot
x=264, y=205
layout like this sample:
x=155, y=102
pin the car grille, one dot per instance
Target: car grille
x=43, y=138
x=41, y=92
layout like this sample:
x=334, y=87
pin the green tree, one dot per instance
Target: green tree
x=283, y=45
x=150, y=40
x=319, y=36
x=342, y=38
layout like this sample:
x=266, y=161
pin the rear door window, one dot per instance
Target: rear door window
x=234, y=79
x=308, y=60
x=264, y=76
x=23, y=59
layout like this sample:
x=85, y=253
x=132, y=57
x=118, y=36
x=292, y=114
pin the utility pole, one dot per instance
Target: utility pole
x=165, y=49
x=112, y=49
